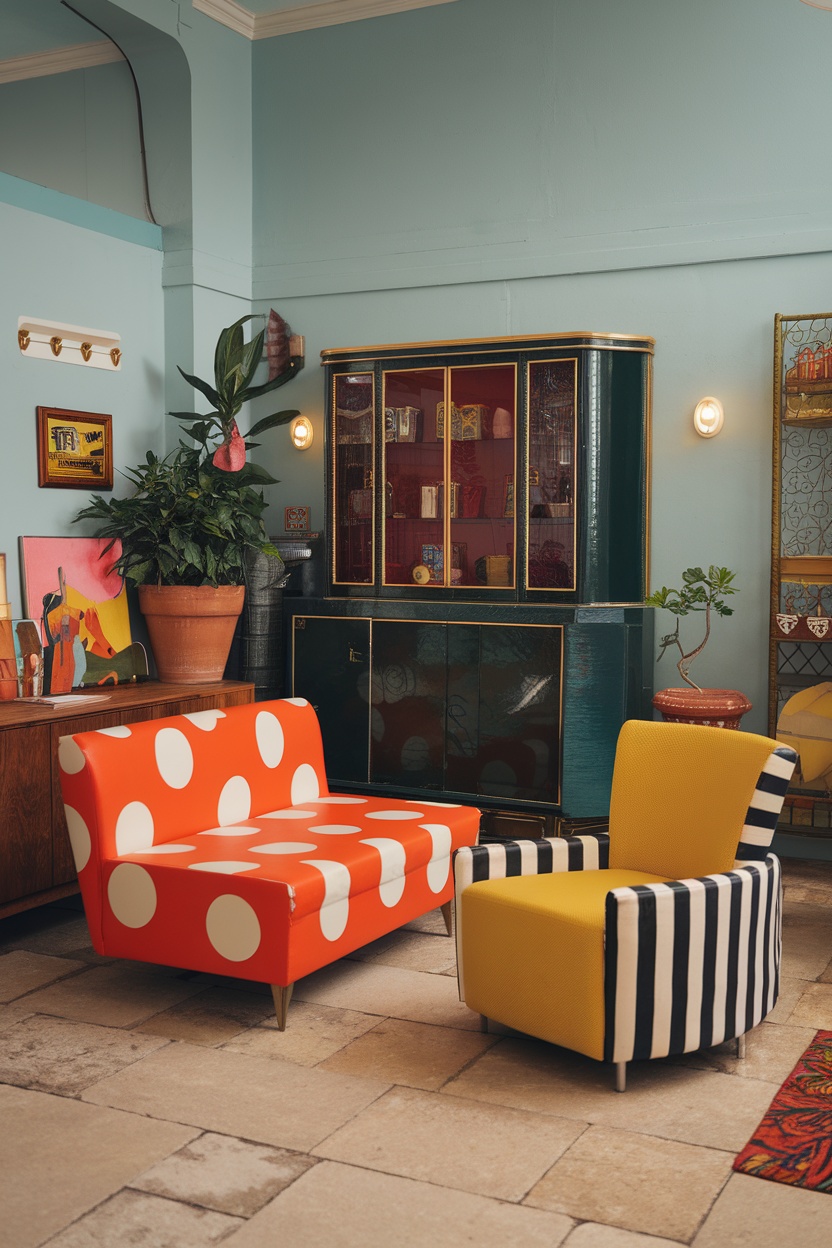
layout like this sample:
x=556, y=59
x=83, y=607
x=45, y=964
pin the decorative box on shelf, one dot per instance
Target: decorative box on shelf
x=469, y=422
x=494, y=569
x=403, y=424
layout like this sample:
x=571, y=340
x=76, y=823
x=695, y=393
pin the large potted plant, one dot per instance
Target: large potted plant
x=690, y=704
x=195, y=518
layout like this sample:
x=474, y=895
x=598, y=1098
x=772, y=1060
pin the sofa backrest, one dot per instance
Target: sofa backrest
x=129, y=788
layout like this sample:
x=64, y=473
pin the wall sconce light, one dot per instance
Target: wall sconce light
x=301, y=433
x=708, y=417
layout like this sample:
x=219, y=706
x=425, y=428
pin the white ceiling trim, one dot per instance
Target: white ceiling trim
x=59, y=60
x=304, y=16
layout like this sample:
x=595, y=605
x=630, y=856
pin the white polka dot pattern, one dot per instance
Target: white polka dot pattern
x=395, y=814
x=132, y=895
x=334, y=829
x=169, y=847
x=291, y=812
x=440, y=861
x=235, y=801
x=79, y=838
x=223, y=868
x=233, y=928
x=336, y=906
x=206, y=720
x=336, y=799
x=269, y=736
x=118, y=730
x=134, y=829
x=305, y=787
x=70, y=758
x=447, y=805
x=232, y=830
x=393, y=863
x=284, y=847
x=174, y=757
x=296, y=701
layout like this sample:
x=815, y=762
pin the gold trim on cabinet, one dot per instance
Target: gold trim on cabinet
x=462, y=345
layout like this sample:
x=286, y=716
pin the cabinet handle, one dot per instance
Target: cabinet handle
x=355, y=657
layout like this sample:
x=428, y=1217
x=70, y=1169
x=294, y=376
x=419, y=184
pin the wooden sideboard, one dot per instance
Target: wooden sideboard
x=35, y=857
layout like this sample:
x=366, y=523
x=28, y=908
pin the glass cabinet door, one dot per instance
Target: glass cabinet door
x=352, y=483
x=449, y=465
x=551, y=486
x=481, y=459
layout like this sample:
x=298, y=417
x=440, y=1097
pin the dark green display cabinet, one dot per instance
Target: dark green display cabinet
x=483, y=636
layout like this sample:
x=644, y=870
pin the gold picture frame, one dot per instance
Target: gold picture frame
x=75, y=449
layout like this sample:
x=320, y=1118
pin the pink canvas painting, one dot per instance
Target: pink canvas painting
x=80, y=604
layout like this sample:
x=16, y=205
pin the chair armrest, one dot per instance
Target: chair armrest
x=543, y=857
x=691, y=963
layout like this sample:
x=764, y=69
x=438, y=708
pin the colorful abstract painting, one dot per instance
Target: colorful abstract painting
x=793, y=1143
x=80, y=604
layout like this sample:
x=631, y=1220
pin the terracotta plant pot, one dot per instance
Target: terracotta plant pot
x=719, y=708
x=191, y=628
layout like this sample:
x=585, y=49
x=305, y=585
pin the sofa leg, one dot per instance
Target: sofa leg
x=741, y=1047
x=448, y=916
x=621, y=1076
x=282, y=996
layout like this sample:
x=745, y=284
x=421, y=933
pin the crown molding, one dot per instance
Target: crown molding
x=59, y=60
x=303, y=16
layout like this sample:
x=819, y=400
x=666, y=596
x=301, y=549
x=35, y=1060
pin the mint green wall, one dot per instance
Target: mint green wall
x=484, y=169
x=55, y=270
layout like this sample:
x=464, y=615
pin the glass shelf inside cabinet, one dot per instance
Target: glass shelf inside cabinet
x=413, y=476
x=551, y=486
x=353, y=478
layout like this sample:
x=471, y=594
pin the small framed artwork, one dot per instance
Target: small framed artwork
x=75, y=449
x=295, y=519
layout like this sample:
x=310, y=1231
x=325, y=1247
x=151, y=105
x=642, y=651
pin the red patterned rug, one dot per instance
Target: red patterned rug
x=793, y=1143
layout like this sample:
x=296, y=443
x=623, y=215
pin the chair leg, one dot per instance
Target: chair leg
x=282, y=996
x=741, y=1047
x=448, y=916
x=621, y=1076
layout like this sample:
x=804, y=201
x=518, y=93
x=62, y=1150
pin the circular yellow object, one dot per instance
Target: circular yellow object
x=421, y=574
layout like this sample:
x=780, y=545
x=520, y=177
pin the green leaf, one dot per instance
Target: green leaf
x=209, y=391
x=271, y=422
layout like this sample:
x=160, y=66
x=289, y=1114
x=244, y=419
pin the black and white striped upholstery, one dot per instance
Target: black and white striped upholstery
x=687, y=963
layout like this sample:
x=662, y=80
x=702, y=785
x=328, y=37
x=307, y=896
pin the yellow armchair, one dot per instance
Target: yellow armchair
x=662, y=936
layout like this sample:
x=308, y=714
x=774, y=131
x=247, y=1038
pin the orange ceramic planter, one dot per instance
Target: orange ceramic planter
x=191, y=628
x=719, y=708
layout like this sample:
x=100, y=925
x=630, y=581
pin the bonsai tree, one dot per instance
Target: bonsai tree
x=197, y=514
x=700, y=592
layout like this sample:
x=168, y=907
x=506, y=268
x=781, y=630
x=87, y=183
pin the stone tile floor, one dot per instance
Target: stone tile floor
x=150, y=1106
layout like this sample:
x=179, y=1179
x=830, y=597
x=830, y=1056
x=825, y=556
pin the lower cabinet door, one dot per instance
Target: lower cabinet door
x=331, y=669
x=409, y=697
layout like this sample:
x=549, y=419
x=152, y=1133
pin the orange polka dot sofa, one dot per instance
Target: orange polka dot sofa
x=211, y=841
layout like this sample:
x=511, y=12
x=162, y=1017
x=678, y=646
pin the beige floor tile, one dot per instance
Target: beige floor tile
x=59, y=1055
x=118, y=994
x=651, y=1185
x=389, y=992
x=235, y=1094
x=594, y=1235
x=136, y=1218
x=479, y=1148
x=223, y=1173
x=340, y=1207
x=413, y=1054
x=754, y=1213
x=826, y=976
x=814, y=1009
x=415, y=951
x=212, y=1017
x=22, y=972
x=807, y=940
x=674, y=1102
x=313, y=1033
x=791, y=990
x=770, y=1054
x=64, y=1157
x=11, y=1015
